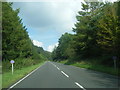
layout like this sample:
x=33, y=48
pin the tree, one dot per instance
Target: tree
x=97, y=34
x=64, y=49
x=86, y=29
x=16, y=42
x=109, y=27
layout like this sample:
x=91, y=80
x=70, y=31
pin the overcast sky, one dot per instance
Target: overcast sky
x=47, y=21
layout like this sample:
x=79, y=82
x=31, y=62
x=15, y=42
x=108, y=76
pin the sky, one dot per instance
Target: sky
x=47, y=20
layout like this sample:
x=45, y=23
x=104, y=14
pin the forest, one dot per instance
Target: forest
x=16, y=44
x=94, y=45
x=96, y=35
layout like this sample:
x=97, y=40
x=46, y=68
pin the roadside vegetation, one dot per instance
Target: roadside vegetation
x=8, y=79
x=93, y=65
x=17, y=46
x=95, y=41
x=96, y=38
x=0, y=81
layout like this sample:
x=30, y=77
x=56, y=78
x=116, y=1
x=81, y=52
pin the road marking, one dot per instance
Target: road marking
x=58, y=68
x=24, y=77
x=64, y=74
x=80, y=86
x=53, y=64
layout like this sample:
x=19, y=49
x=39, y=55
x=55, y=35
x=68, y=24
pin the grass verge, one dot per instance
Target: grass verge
x=9, y=79
x=93, y=66
x=0, y=81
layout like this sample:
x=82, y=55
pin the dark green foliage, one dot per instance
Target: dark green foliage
x=16, y=43
x=97, y=34
x=19, y=63
x=64, y=49
x=44, y=53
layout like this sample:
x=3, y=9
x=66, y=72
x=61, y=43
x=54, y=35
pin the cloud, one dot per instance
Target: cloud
x=46, y=21
x=46, y=16
x=37, y=43
x=51, y=47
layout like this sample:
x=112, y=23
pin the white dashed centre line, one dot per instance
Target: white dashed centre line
x=53, y=64
x=64, y=74
x=58, y=68
x=80, y=86
x=68, y=76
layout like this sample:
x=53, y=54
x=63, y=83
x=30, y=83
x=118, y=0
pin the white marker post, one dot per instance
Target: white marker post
x=12, y=61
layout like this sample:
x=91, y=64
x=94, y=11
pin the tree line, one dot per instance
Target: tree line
x=97, y=34
x=16, y=44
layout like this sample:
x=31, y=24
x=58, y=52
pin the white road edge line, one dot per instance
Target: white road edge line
x=80, y=86
x=58, y=68
x=24, y=78
x=64, y=74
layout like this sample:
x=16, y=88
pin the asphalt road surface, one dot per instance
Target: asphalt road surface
x=57, y=75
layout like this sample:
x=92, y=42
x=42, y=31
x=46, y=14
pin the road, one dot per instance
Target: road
x=57, y=75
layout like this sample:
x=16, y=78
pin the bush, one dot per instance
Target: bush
x=19, y=63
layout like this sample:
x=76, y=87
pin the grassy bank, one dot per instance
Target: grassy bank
x=8, y=79
x=19, y=63
x=93, y=66
x=0, y=81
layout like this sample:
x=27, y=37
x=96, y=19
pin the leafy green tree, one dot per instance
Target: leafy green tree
x=16, y=42
x=109, y=26
x=86, y=29
x=64, y=49
x=97, y=33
